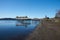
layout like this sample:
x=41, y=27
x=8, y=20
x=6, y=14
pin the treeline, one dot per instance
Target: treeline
x=7, y=18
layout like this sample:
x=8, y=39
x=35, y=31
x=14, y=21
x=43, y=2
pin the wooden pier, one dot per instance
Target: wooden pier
x=28, y=19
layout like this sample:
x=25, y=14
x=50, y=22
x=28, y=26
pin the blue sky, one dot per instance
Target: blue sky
x=31, y=8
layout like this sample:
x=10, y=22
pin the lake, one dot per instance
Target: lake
x=9, y=30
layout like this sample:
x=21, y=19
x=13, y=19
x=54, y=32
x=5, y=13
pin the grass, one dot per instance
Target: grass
x=47, y=30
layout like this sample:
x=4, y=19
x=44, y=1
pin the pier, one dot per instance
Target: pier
x=26, y=18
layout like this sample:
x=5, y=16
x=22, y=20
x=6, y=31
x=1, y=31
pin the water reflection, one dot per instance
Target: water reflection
x=25, y=23
x=10, y=31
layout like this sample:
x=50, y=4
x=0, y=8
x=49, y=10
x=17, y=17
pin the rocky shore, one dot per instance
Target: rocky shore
x=46, y=30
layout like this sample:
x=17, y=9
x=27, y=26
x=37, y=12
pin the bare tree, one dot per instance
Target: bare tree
x=57, y=14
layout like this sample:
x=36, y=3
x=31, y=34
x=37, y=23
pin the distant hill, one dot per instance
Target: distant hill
x=7, y=18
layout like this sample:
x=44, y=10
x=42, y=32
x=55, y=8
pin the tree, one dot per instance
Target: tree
x=16, y=16
x=57, y=14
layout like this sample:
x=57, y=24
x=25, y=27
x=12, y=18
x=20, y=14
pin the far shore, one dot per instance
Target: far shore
x=7, y=18
x=19, y=19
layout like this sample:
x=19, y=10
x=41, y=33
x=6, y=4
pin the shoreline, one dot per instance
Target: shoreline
x=46, y=31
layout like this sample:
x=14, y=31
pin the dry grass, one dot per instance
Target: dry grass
x=47, y=30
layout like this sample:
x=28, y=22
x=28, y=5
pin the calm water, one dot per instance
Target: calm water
x=9, y=30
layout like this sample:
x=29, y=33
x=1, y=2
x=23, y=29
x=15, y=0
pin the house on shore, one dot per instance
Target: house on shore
x=22, y=17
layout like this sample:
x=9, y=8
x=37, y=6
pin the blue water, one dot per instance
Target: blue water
x=9, y=30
